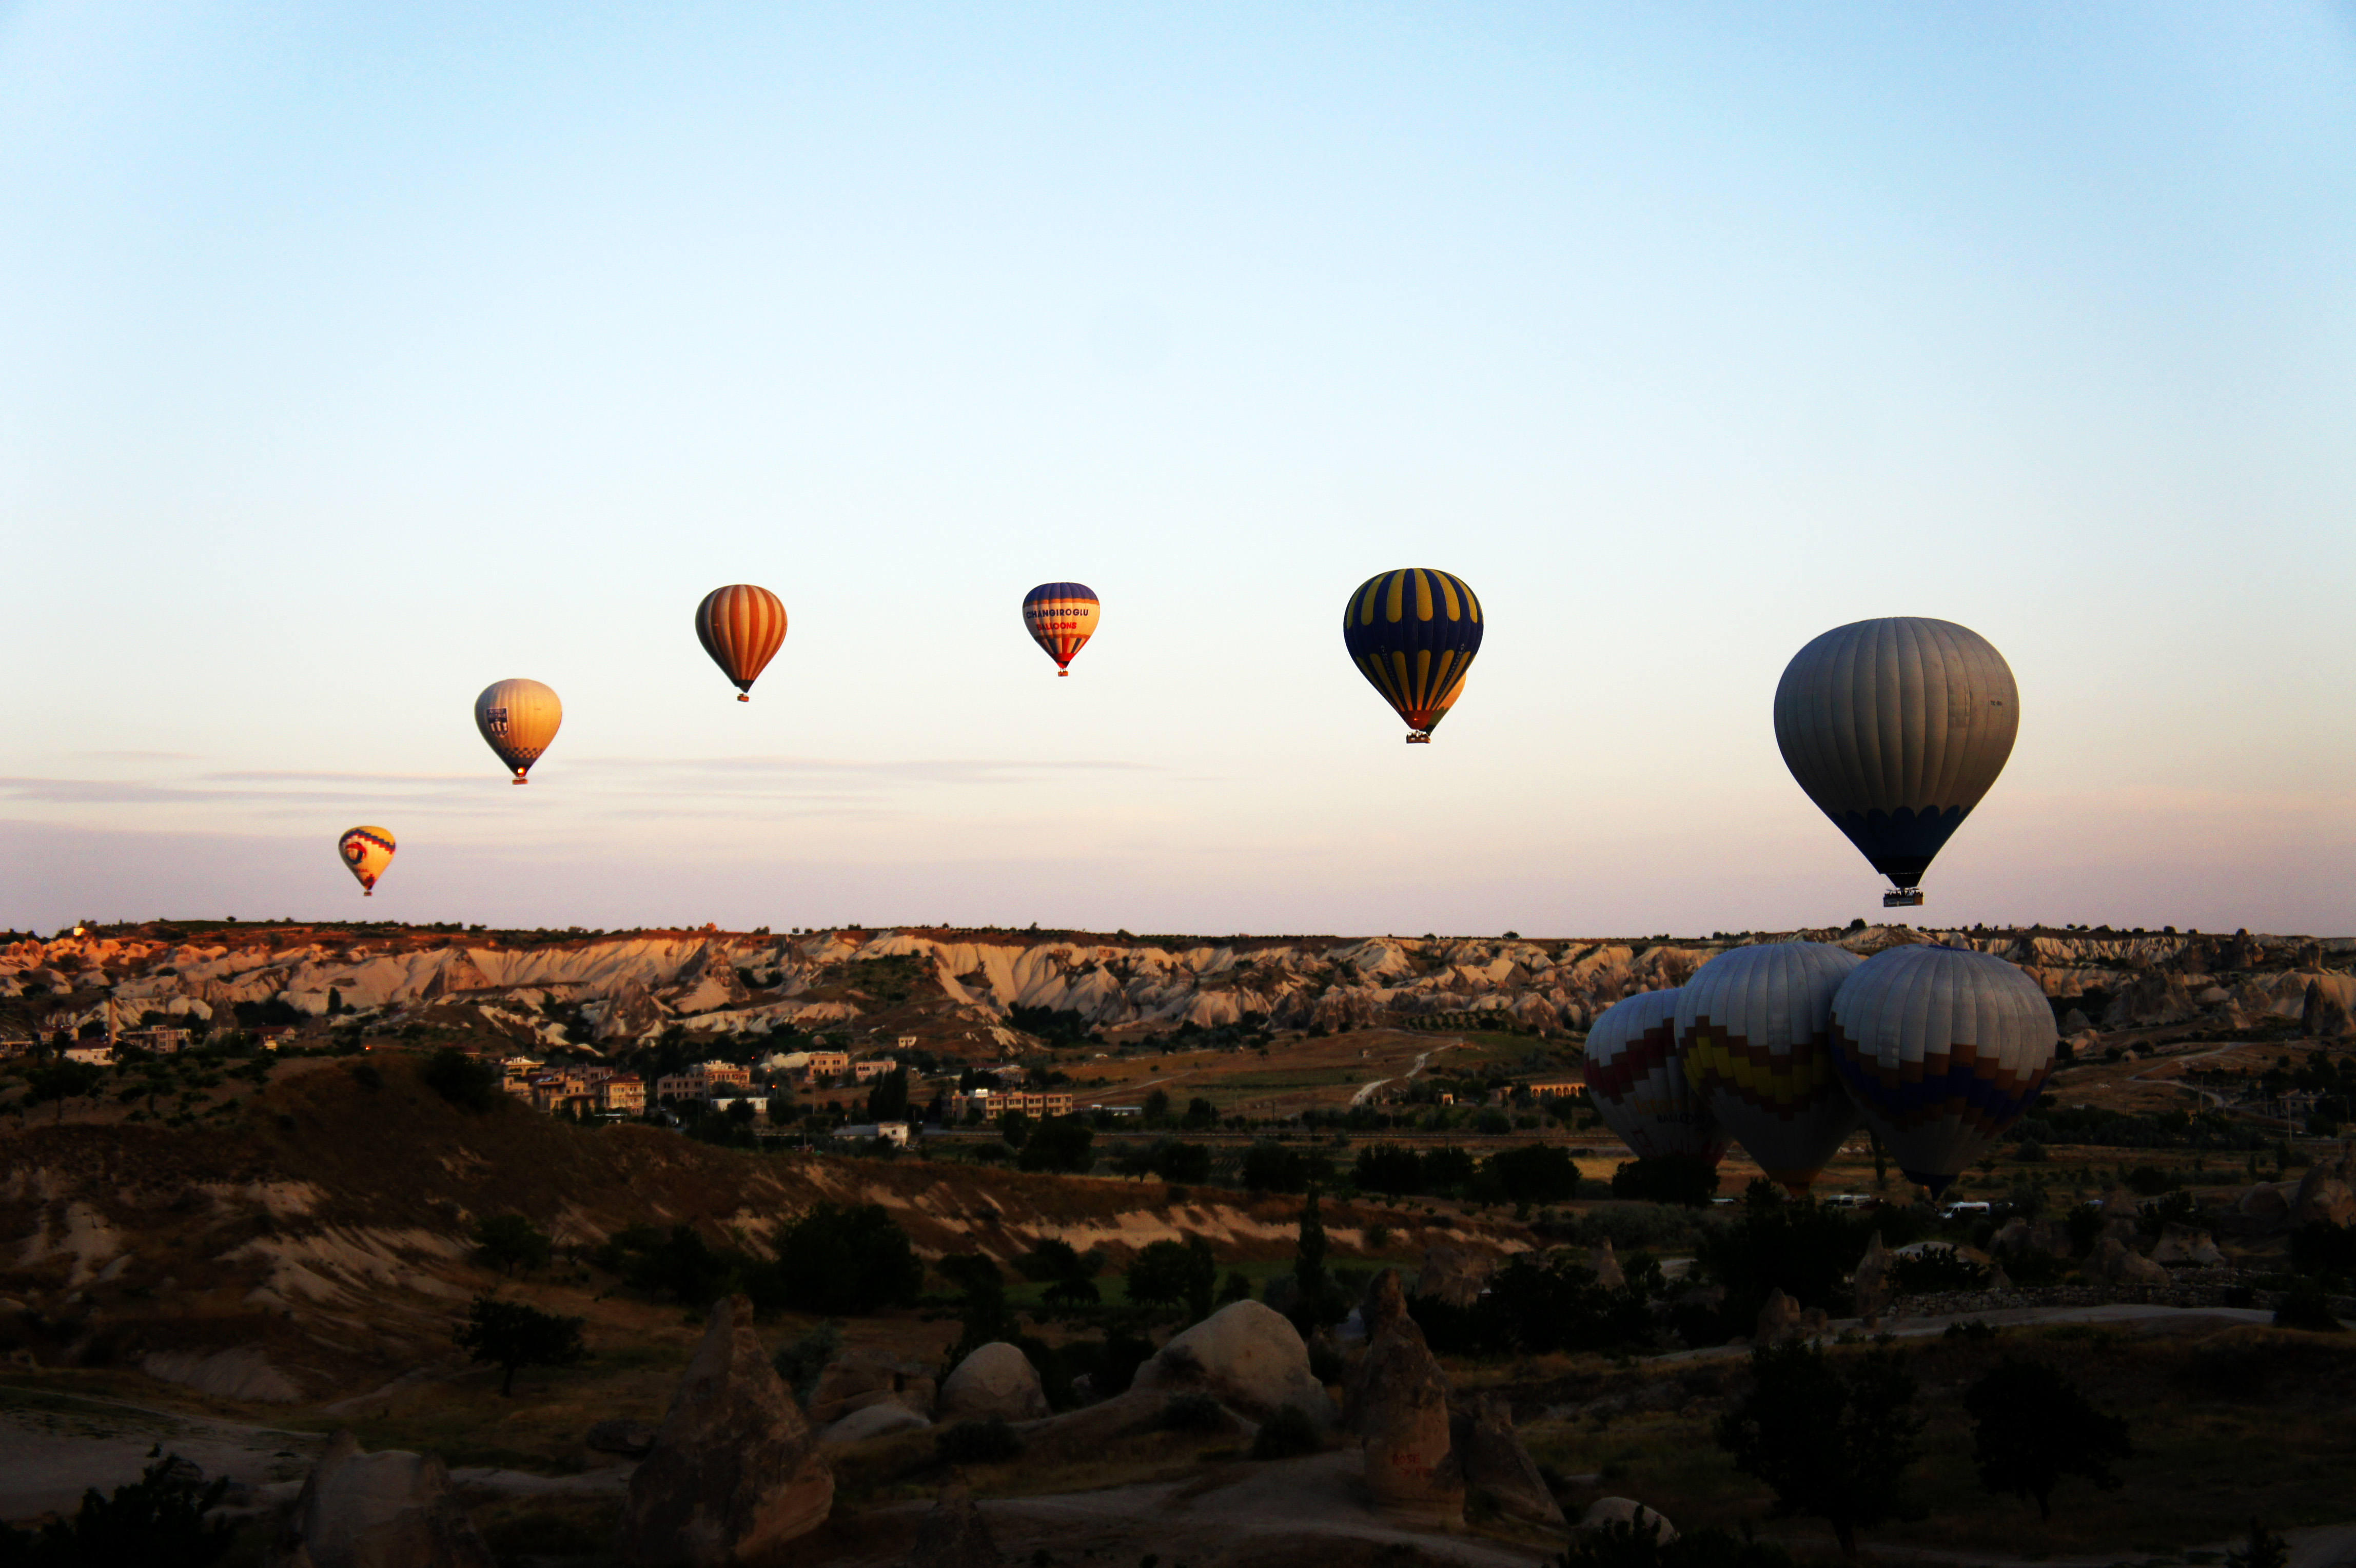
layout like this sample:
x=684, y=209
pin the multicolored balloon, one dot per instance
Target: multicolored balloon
x=518, y=719
x=1942, y=1049
x=1413, y=634
x=366, y=852
x=1755, y=1025
x=1896, y=729
x=742, y=627
x=1060, y=618
x=1639, y=1083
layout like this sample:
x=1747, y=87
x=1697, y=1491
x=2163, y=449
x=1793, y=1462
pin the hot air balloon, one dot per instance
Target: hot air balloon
x=1060, y=618
x=1639, y=1084
x=742, y=627
x=1896, y=729
x=518, y=719
x=1755, y=1025
x=1413, y=633
x=1942, y=1049
x=366, y=852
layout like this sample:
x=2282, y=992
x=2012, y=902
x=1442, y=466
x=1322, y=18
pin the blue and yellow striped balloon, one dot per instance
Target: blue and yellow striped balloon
x=1413, y=633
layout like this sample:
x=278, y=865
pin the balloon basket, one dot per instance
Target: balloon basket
x=1904, y=899
x=1420, y=737
x=1063, y=674
x=743, y=696
x=520, y=779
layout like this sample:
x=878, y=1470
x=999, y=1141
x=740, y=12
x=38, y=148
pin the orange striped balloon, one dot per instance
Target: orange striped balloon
x=742, y=627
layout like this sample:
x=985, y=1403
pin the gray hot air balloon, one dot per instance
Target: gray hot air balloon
x=1755, y=1026
x=1895, y=728
x=1942, y=1049
x=1639, y=1082
x=518, y=718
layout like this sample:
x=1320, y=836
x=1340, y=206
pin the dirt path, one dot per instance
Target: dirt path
x=2318, y=1546
x=54, y=1447
x=1367, y=1093
x=2015, y=1318
x=1208, y=1518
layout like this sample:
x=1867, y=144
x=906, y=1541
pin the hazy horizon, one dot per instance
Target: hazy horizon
x=358, y=360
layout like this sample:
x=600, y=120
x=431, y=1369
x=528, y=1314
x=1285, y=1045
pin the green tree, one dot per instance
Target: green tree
x=464, y=1081
x=507, y=1243
x=1014, y=1126
x=1689, y=1179
x=1059, y=1144
x=1308, y=1250
x=2263, y=1549
x=1157, y=1108
x=1832, y=1444
x=1201, y=1113
x=1174, y=1273
x=62, y=1081
x=847, y=1261
x=888, y=1101
x=511, y=1336
x=982, y=1307
x=2031, y=1427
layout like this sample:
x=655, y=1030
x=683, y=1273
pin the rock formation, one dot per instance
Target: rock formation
x=733, y=1471
x=1494, y=1463
x=996, y=1379
x=2326, y=1193
x=1247, y=1357
x=2322, y=1015
x=857, y=1379
x=1629, y=1511
x=389, y=1510
x=2183, y=1244
x=1606, y=1264
x=1871, y=1282
x=2114, y=1261
x=1398, y=1405
x=877, y=1420
x=1454, y=1275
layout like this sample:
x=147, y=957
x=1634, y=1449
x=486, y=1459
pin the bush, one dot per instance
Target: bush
x=1774, y=1243
x=1831, y=1442
x=1534, y=1307
x=2323, y=1247
x=1687, y=1179
x=1933, y=1269
x=511, y=1336
x=1285, y=1435
x=466, y=1082
x=508, y=1241
x=1536, y=1172
x=1054, y=1259
x=991, y=1442
x=1173, y=1273
x=2031, y=1427
x=1270, y=1167
x=156, y=1521
x=2305, y=1306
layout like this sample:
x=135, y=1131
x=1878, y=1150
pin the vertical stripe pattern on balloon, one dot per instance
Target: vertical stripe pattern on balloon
x=1413, y=634
x=740, y=627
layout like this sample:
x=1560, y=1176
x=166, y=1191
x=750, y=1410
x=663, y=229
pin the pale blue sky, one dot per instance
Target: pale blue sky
x=353, y=357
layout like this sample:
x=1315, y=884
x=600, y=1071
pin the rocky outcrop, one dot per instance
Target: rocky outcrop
x=242, y=1373
x=879, y=1419
x=2114, y=1261
x=996, y=1379
x=733, y=1471
x=1247, y=1357
x=1629, y=1511
x=953, y=1534
x=857, y=1379
x=1869, y=1284
x=1606, y=1264
x=2182, y=1244
x=630, y=1439
x=1454, y=1275
x=2322, y=1015
x=1782, y=1318
x=2019, y=1235
x=2326, y=1193
x=389, y=1510
x=1398, y=1406
x=1495, y=1464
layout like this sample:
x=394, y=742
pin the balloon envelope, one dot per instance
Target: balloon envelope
x=1413, y=634
x=1060, y=618
x=1755, y=1028
x=742, y=627
x=366, y=852
x=518, y=719
x=1942, y=1049
x=1896, y=729
x=1639, y=1082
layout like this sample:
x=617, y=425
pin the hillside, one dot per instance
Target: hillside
x=320, y=1232
x=956, y=992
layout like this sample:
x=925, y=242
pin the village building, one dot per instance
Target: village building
x=993, y=1103
x=892, y=1132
